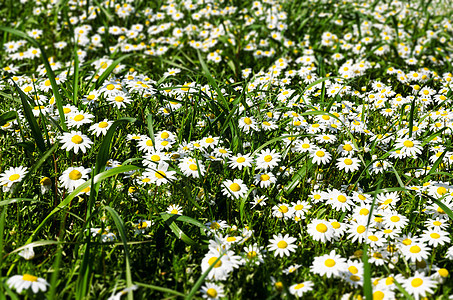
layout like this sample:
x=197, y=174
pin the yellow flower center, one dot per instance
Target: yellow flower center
x=209, y=140
x=103, y=124
x=75, y=175
x=79, y=118
x=235, y=187
x=14, y=177
x=353, y=269
x=435, y=235
x=28, y=277
x=437, y=223
x=212, y=260
x=248, y=121
x=298, y=207
x=378, y=295
x=361, y=229
x=212, y=293
x=329, y=263
x=373, y=238
x=364, y=212
x=305, y=146
x=407, y=242
x=415, y=249
x=45, y=181
x=408, y=144
x=268, y=158
x=149, y=143
x=110, y=87
x=321, y=227
x=348, y=161
x=264, y=177
x=77, y=139
x=395, y=219
x=231, y=239
x=443, y=272
x=160, y=174
x=282, y=244
x=252, y=254
x=283, y=209
x=342, y=199
x=119, y=99
x=416, y=282
x=193, y=167
x=441, y=190
x=240, y=160
x=320, y=153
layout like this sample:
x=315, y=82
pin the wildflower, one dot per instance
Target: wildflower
x=234, y=189
x=239, y=161
x=101, y=127
x=329, y=264
x=267, y=159
x=299, y=289
x=419, y=285
x=12, y=176
x=212, y=291
x=320, y=156
x=282, y=245
x=76, y=141
x=74, y=177
x=321, y=230
x=26, y=281
x=174, y=209
x=348, y=164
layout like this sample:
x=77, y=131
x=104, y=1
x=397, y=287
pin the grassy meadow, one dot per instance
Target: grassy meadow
x=223, y=149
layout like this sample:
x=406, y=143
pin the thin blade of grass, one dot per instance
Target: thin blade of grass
x=35, y=130
x=160, y=289
x=49, y=71
x=122, y=231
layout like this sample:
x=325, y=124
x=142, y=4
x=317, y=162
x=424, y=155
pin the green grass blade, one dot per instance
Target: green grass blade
x=200, y=280
x=50, y=73
x=8, y=116
x=2, y=232
x=98, y=178
x=170, y=222
x=35, y=130
x=160, y=289
x=122, y=232
x=104, y=150
x=110, y=69
x=16, y=200
x=149, y=120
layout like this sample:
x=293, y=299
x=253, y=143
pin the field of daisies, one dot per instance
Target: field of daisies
x=224, y=149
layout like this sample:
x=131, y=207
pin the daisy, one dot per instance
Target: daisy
x=12, y=176
x=267, y=159
x=254, y=254
x=240, y=161
x=321, y=230
x=212, y=291
x=299, y=289
x=73, y=177
x=101, y=127
x=79, y=118
x=415, y=251
x=282, y=245
x=300, y=208
x=435, y=237
x=174, y=209
x=282, y=210
x=76, y=141
x=227, y=263
x=248, y=124
x=191, y=167
x=234, y=189
x=265, y=179
x=329, y=264
x=159, y=174
x=26, y=281
x=320, y=156
x=409, y=147
x=259, y=200
x=348, y=164
x=394, y=220
x=305, y=146
x=419, y=285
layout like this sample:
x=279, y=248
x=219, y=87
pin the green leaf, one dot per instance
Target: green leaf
x=298, y=176
x=8, y=116
x=15, y=200
x=169, y=220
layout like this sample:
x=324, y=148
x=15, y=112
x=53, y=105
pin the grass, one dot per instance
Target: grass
x=174, y=96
